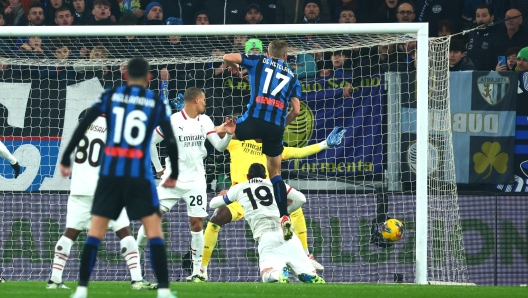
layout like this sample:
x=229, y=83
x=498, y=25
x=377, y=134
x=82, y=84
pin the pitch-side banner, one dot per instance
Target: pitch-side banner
x=483, y=109
x=324, y=106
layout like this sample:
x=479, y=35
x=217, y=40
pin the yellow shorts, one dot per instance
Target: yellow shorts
x=237, y=212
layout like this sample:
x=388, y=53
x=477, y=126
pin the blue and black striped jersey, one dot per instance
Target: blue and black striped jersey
x=132, y=114
x=272, y=86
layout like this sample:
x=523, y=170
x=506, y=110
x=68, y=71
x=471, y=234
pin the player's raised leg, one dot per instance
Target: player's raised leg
x=299, y=262
x=299, y=227
x=10, y=158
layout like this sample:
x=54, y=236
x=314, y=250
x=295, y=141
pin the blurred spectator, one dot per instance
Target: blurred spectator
x=15, y=12
x=405, y=12
x=387, y=12
x=136, y=7
x=340, y=65
x=479, y=46
x=108, y=77
x=226, y=11
x=336, y=8
x=81, y=15
x=2, y=19
x=293, y=11
x=302, y=65
x=239, y=43
x=508, y=36
x=31, y=46
x=36, y=14
x=49, y=10
x=253, y=14
x=346, y=15
x=433, y=11
x=457, y=57
x=511, y=60
x=254, y=47
x=470, y=6
x=130, y=45
x=101, y=13
x=381, y=59
x=154, y=12
x=268, y=10
x=312, y=12
x=63, y=16
x=201, y=18
x=183, y=9
x=522, y=60
x=445, y=28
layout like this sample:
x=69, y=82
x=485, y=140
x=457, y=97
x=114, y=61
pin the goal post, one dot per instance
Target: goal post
x=365, y=36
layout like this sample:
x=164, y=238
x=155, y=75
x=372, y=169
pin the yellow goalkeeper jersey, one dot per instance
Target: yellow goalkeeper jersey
x=244, y=153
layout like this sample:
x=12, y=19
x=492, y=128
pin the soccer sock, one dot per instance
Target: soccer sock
x=62, y=253
x=279, y=190
x=197, y=248
x=210, y=239
x=271, y=276
x=88, y=258
x=141, y=238
x=158, y=260
x=299, y=227
x=129, y=251
x=6, y=154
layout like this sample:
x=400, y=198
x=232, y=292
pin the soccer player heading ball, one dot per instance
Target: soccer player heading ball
x=273, y=88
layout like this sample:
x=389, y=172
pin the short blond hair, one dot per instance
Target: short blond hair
x=99, y=49
x=278, y=49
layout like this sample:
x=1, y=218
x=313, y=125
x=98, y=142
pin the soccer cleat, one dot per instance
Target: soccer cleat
x=144, y=285
x=309, y=278
x=170, y=295
x=197, y=278
x=2, y=280
x=285, y=276
x=204, y=274
x=287, y=228
x=53, y=286
x=316, y=264
x=16, y=168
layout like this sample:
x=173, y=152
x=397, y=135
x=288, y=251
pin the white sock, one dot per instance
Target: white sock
x=271, y=276
x=204, y=269
x=129, y=251
x=141, y=238
x=62, y=253
x=307, y=251
x=197, y=245
x=6, y=154
x=81, y=290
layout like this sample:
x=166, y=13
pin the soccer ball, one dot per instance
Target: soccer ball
x=392, y=230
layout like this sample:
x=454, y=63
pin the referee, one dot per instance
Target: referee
x=125, y=179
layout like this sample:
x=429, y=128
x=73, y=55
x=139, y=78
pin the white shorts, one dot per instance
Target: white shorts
x=194, y=193
x=276, y=253
x=79, y=215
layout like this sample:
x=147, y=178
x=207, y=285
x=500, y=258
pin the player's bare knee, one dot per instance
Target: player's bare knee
x=221, y=216
x=196, y=223
x=124, y=232
x=71, y=233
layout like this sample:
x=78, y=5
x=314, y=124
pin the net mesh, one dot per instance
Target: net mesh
x=364, y=82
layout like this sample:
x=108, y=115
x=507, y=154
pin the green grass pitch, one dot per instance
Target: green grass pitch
x=256, y=290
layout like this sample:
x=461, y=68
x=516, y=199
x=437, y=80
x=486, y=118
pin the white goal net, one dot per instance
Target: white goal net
x=362, y=81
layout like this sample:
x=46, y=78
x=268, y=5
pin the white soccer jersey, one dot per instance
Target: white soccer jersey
x=85, y=170
x=260, y=210
x=190, y=137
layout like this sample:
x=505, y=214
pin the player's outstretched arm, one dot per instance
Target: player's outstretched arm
x=219, y=201
x=297, y=199
x=172, y=151
x=332, y=140
x=91, y=115
x=227, y=129
x=157, y=137
x=233, y=60
x=294, y=112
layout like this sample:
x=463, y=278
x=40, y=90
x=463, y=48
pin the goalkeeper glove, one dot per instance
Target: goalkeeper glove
x=375, y=234
x=335, y=137
x=177, y=103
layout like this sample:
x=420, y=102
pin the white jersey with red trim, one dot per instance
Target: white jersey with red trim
x=85, y=169
x=190, y=136
x=260, y=209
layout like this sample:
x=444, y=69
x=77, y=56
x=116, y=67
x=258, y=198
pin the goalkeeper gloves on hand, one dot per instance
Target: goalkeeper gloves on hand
x=177, y=103
x=335, y=137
